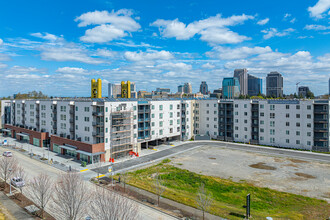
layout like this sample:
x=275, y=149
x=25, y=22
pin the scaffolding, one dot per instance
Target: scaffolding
x=121, y=133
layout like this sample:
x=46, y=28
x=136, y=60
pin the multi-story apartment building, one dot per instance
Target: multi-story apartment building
x=300, y=124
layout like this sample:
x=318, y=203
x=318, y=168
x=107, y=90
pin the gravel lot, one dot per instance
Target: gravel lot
x=308, y=178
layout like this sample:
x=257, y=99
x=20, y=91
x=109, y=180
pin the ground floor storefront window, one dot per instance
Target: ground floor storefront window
x=36, y=142
x=71, y=153
x=56, y=148
x=84, y=157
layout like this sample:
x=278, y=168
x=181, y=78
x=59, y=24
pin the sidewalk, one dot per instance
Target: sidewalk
x=14, y=209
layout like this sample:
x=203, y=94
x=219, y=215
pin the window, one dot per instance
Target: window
x=106, y=119
x=178, y=114
x=134, y=107
x=134, y=117
x=76, y=127
x=76, y=108
x=207, y=119
x=236, y=113
x=287, y=106
x=236, y=128
x=215, y=112
x=261, y=138
x=297, y=133
x=309, y=125
x=262, y=114
x=31, y=106
x=76, y=117
x=245, y=113
x=309, y=107
x=171, y=122
x=272, y=123
x=160, y=107
x=31, y=120
x=262, y=122
x=245, y=128
x=215, y=126
x=31, y=114
x=106, y=140
x=63, y=108
x=171, y=107
x=309, y=134
x=153, y=124
x=43, y=107
x=160, y=124
x=287, y=132
x=272, y=107
x=297, y=106
x=153, y=107
x=262, y=130
x=262, y=106
x=272, y=115
x=298, y=124
x=245, y=136
x=272, y=131
x=287, y=115
x=236, y=105
x=297, y=141
x=171, y=114
x=43, y=114
x=215, y=105
x=215, y=119
x=106, y=109
x=236, y=120
x=309, y=116
x=245, y=105
x=236, y=135
x=178, y=121
x=287, y=124
x=287, y=141
x=207, y=125
x=297, y=115
x=272, y=140
x=63, y=117
x=153, y=132
x=86, y=119
x=161, y=115
x=152, y=115
x=308, y=143
x=86, y=138
x=245, y=121
x=207, y=112
x=43, y=122
x=207, y=105
x=160, y=132
x=86, y=128
x=63, y=126
x=86, y=109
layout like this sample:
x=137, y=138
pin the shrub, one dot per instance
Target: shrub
x=83, y=163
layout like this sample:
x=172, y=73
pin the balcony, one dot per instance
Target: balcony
x=71, y=129
x=321, y=120
x=54, y=118
x=97, y=123
x=37, y=116
x=321, y=111
x=98, y=114
x=98, y=134
x=320, y=130
x=71, y=111
x=71, y=120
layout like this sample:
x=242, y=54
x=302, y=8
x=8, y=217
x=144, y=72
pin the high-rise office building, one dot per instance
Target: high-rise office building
x=274, y=84
x=163, y=90
x=329, y=87
x=180, y=88
x=187, y=89
x=303, y=91
x=241, y=74
x=254, y=85
x=114, y=90
x=204, y=88
x=230, y=88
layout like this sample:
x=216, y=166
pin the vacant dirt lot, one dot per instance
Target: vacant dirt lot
x=293, y=175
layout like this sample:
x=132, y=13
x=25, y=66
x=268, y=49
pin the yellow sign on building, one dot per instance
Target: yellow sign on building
x=126, y=89
x=96, y=88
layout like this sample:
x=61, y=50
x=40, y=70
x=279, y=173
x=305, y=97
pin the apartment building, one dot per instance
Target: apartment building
x=299, y=124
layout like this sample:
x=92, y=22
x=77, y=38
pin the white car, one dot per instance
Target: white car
x=17, y=182
x=7, y=154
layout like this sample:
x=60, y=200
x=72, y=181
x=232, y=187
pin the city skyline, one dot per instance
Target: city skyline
x=58, y=50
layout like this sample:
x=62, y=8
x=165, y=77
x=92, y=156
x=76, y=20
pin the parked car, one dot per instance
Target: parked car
x=17, y=182
x=7, y=154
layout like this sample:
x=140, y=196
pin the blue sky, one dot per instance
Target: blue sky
x=58, y=46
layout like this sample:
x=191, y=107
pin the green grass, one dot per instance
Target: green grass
x=228, y=196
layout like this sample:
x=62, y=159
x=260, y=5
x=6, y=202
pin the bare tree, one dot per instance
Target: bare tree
x=8, y=166
x=40, y=190
x=203, y=199
x=159, y=186
x=108, y=205
x=124, y=177
x=97, y=166
x=71, y=197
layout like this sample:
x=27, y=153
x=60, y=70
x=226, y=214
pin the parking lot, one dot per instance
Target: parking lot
x=283, y=173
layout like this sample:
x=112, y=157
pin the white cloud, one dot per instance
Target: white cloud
x=319, y=8
x=106, y=53
x=110, y=25
x=263, y=21
x=287, y=15
x=68, y=54
x=316, y=27
x=71, y=70
x=226, y=53
x=208, y=66
x=4, y=57
x=1, y=41
x=46, y=36
x=177, y=67
x=273, y=32
x=216, y=24
x=22, y=70
x=147, y=56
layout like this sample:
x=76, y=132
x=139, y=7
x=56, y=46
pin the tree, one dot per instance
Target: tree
x=71, y=197
x=8, y=166
x=124, y=177
x=203, y=199
x=20, y=172
x=108, y=205
x=97, y=167
x=159, y=186
x=40, y=190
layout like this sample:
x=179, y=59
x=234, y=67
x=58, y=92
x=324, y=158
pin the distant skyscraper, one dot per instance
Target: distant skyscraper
x=110, y=95
x=302, y=91
x=187, y=88
x=230, y=88
x=241, y=74
x=114, y=90
x=180, y=88
x=204, y=88
x=274, y=84
x=329, y=87
x=254, y=85
x=163, y=90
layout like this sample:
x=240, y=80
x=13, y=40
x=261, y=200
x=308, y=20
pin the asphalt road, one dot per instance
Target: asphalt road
x=160, y=155
x=33, y=168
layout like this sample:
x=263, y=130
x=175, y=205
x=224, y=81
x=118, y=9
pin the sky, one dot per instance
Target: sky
x=57, y=47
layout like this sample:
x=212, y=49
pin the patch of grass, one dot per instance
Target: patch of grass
x=230, y=197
